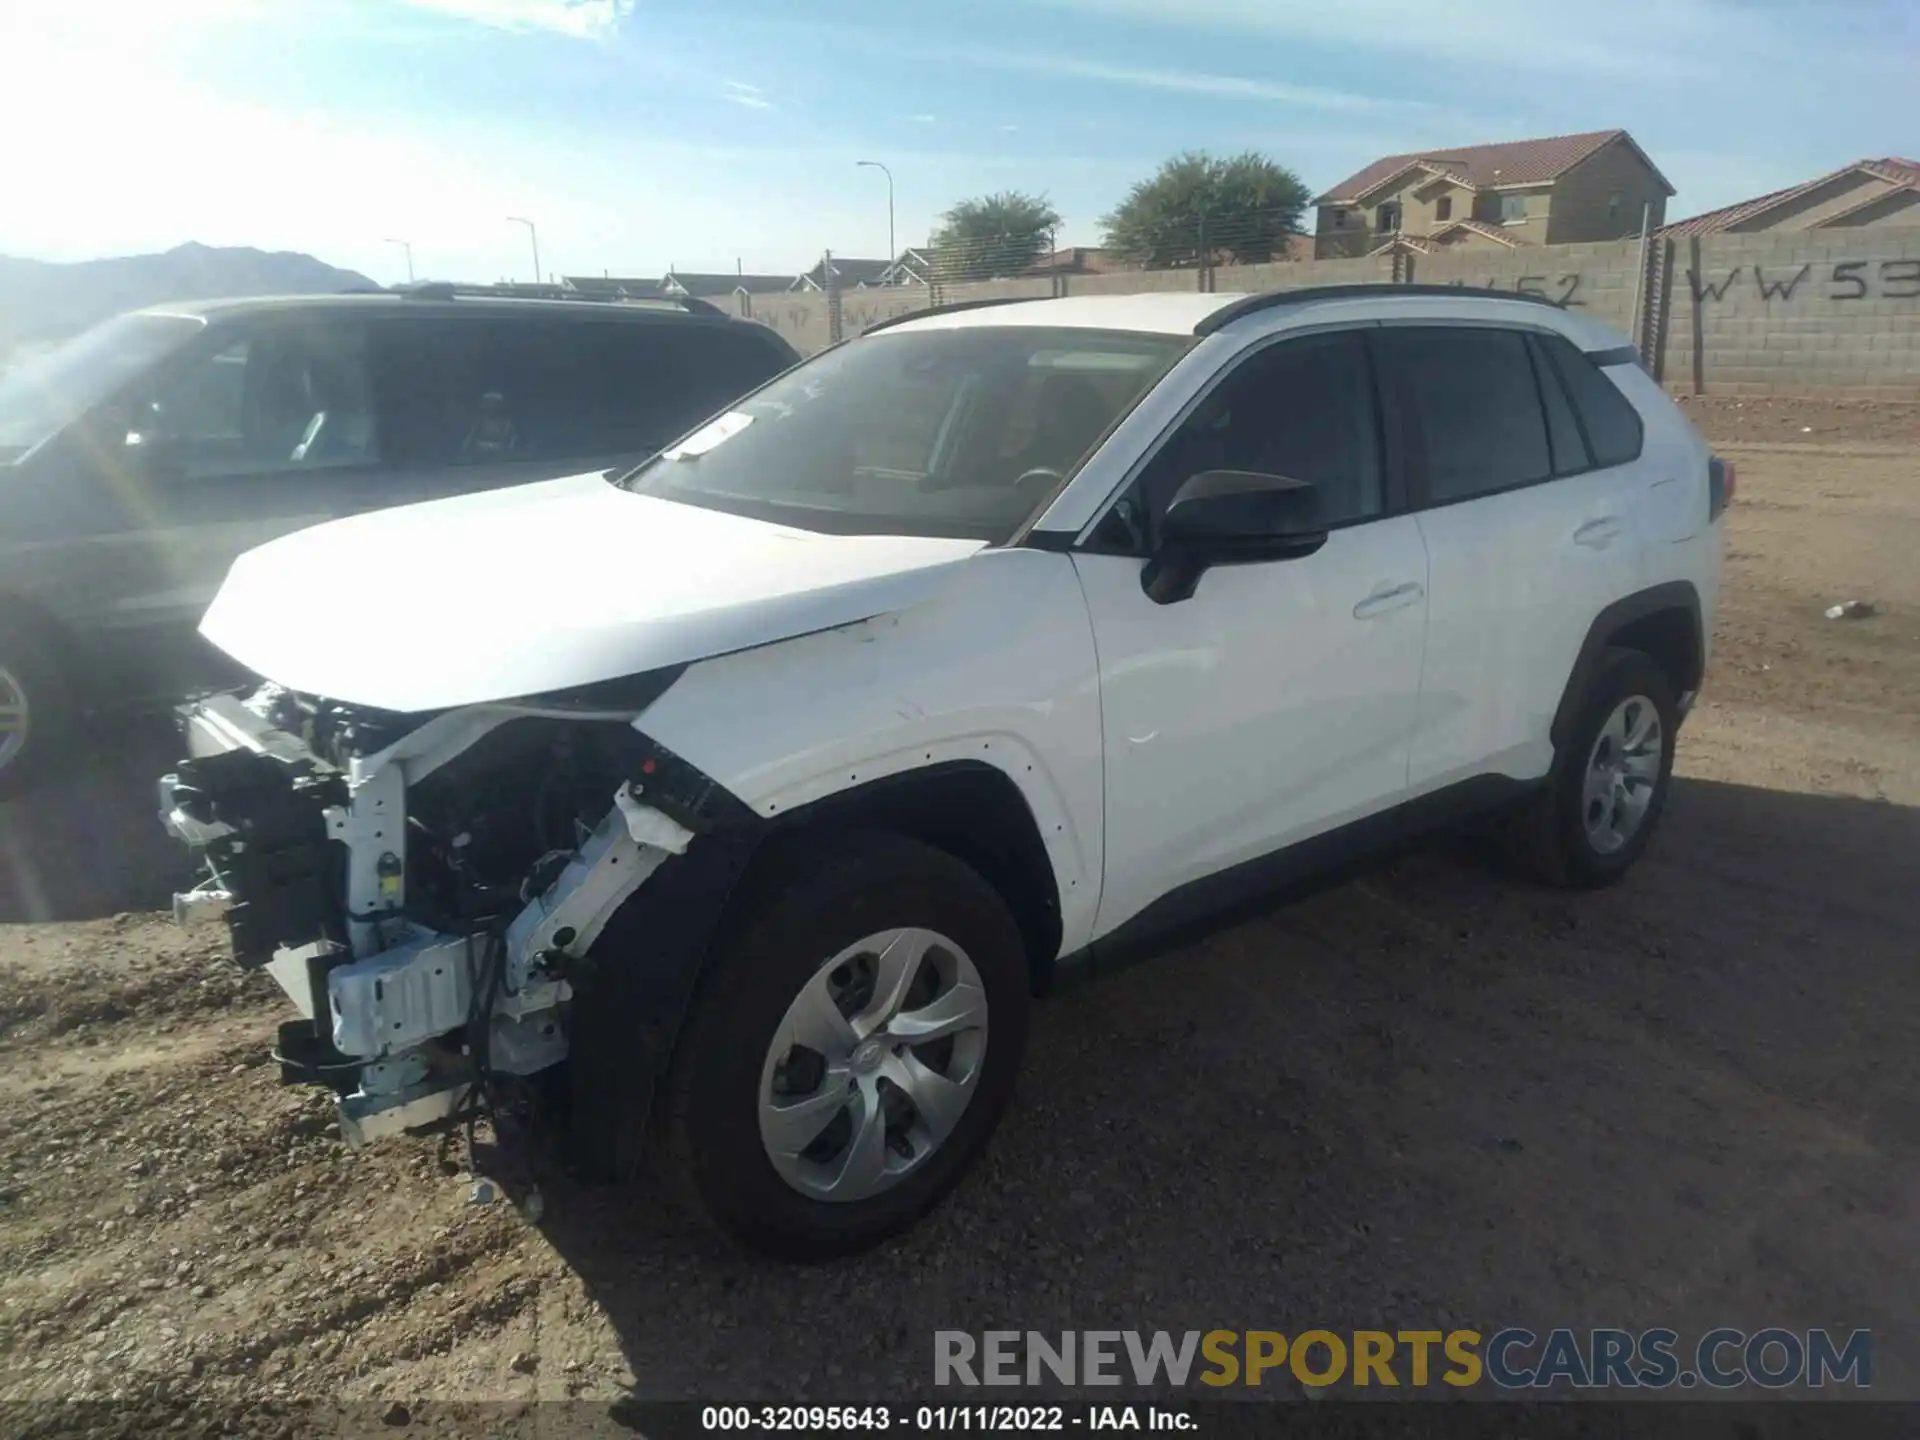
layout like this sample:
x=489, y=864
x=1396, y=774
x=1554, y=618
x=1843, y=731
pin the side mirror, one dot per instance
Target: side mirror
x=1229, y=517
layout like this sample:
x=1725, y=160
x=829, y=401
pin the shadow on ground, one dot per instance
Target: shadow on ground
x=1431, y=1098
x=1428, y=1099
x=89, y=843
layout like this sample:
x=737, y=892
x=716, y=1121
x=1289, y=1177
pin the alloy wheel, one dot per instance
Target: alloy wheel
x=15, y=716
x=1623, y=771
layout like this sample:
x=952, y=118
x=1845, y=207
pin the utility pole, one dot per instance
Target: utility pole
x=409, y=249
x=892, y=253
x=534, y=237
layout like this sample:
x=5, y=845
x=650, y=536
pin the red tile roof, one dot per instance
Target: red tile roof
x=1513, y=162
x=1479, y=227
x=1901, y=174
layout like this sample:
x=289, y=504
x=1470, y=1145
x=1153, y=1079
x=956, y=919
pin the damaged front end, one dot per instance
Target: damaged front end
x=426, y=888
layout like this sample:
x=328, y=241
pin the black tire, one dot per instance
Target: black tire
x=1549, y=838
x=802, y=904
x=27, y=659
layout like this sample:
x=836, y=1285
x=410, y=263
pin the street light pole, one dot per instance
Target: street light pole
x=409, y=249
x=892, y=253
x=533, y=236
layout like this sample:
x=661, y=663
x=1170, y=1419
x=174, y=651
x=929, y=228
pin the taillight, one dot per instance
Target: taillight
x=1722, y=480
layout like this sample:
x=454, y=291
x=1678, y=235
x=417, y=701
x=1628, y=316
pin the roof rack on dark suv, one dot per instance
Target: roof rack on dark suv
x=452, y=290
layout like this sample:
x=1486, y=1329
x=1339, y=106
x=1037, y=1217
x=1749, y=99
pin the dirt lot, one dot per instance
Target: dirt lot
x=1426, y=1099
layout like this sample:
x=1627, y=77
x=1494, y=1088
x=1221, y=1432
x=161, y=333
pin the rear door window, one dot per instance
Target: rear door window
x=487, y=390
x=1611, y=423
x=1564, y=433
x=1473, y=395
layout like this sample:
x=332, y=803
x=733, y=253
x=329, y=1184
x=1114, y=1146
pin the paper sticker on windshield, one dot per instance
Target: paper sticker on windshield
x=715, y=432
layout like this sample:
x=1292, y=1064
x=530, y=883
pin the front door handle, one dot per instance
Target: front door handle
x=1383, y=601
x=1598, y=534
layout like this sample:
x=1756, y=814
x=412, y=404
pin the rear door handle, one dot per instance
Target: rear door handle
x=1598, y=534
x=1383, y=601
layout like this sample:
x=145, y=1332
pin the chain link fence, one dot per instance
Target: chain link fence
x=1243, y=253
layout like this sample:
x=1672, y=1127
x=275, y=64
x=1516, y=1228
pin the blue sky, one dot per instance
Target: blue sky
x=644, y=133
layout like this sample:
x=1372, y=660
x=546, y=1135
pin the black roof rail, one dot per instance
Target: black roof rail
x=952, y=309
x=692, y=304
x=427, y=290
x=1273, y=299
x=453, y=290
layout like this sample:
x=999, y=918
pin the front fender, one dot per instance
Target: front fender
x=997, y=668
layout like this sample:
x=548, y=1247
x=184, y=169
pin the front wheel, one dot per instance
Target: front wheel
x=36, y=711
x=1609, y=788
x=853, y=1044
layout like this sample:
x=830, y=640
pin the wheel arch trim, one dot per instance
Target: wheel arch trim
x=1670, y=597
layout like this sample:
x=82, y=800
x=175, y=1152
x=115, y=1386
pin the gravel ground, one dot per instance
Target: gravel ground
x=1430, y=1098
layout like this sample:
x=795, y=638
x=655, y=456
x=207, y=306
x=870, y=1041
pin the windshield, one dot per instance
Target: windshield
x=957, y=432
x=44, y=394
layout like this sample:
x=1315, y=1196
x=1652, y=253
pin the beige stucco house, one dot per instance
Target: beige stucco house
x=1596, y=186
x=1865, y=193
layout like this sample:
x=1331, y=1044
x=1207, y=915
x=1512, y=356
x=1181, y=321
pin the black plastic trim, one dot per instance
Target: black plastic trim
x=1057, y=542
x=1671, y=595
x=1716, y=488
x=632, y=991
x=1619, y=355
x=1256, y=886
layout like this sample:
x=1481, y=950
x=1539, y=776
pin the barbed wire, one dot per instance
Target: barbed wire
x=1238, y=236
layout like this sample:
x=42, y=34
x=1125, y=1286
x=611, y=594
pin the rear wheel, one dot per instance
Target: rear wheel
x=36, y=711
x=1609, y=787
x=853, y=1045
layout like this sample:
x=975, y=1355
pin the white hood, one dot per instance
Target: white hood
x=543, y=587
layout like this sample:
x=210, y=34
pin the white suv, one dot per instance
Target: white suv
x=764, y=784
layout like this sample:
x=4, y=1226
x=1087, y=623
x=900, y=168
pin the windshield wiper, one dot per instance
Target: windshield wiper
x=620, y=477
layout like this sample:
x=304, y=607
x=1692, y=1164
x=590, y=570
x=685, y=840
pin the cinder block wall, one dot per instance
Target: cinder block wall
x=1833, y=312
x=1596, y=278
x=1812, y=312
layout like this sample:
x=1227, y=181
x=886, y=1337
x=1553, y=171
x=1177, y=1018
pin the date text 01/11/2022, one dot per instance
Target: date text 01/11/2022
x=942, y=1418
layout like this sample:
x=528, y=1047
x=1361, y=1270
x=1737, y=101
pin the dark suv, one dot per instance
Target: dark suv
x=138, y=459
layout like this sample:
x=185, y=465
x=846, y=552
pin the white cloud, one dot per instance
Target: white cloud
x=924, y=119
x=1638, y=42
x=1192, y=82
x=1486, y=32
x=743, y=87
x=749, y=101
x=582, y=19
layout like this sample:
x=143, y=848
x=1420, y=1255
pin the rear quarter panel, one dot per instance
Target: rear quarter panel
x=1682, y=542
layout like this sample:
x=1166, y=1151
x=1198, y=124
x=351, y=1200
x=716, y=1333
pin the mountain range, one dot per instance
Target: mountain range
x=42, y=301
